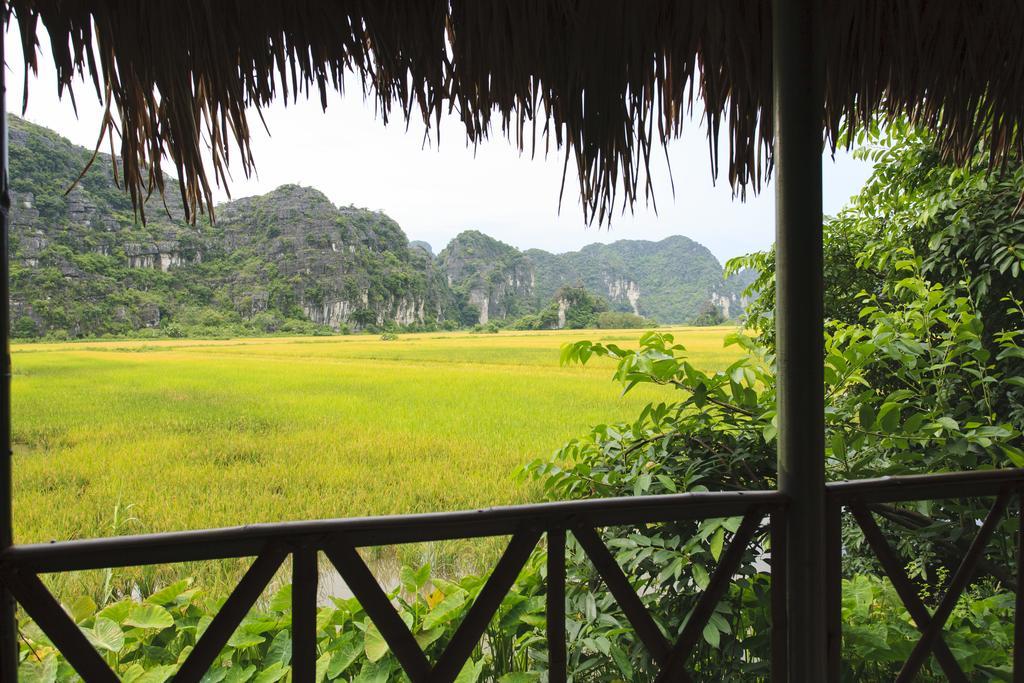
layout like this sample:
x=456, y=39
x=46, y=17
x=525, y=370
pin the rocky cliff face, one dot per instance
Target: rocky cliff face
x=347, y=266
x=83, y=265
x=493, y=279
x=670, y=281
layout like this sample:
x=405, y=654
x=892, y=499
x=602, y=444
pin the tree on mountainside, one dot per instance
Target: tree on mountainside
x=709, y=315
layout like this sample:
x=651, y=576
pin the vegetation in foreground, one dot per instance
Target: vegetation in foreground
x=171, y=435
x=924, y=372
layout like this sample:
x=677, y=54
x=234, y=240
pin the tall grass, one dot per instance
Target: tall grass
x=198, y=434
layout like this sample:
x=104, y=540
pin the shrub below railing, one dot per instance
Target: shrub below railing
x=145, y=640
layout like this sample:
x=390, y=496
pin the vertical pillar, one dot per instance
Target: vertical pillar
x=834, y=585
x=556, y=606
x=8, y=628
x=1018, y=613
x=798, y=92
x=305, y=574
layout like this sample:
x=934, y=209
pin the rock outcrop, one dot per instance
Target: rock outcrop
x=492, y=278
x=86, y=265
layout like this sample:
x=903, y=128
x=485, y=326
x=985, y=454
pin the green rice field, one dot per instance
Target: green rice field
x=126, y=437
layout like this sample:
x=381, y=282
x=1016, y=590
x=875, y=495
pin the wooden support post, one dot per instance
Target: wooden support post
x=1018, y=612
x=780, y=651
x=798, y=77
x=304, y=591
x=556, y=606
x=834, y=584
x=8, y=627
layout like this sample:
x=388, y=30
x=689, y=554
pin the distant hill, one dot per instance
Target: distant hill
x=669, y=281
x=290, y=260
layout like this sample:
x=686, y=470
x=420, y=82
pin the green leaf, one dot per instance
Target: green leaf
x=149, y=617
x=422, y=575
x=33, y=671
x=838, y=443
x=374, y=672
x=425, y=638
x=271, y=674
x=344, y=656
x=215, y=675
x=82, y=608
x=1015, y=454
x=117, y=612
x=203, y=624
x=642, y=485
x=623, y=662
x=239, y=673
x=446, y=610
x=408, y=579
x=280, y=649
x=375, y=645
x=700, y=575
x=668, y=483
x=716, y=543
x=470, y=672
x=711, y=635
x=167, y=595
x=282, y=600
x=105, y=635
x=889, y=417
x=322, y=663
x=519, y=677
x=156, y=674
x=913, y=423
x=242, y=639
x=866, y=414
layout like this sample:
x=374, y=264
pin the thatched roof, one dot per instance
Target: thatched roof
x=604, y=81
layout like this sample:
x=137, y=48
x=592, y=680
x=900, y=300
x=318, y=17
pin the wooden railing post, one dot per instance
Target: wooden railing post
x=8, y=627
x=305, y=574
x=834, y=584
x=780, y=649
x=556, y=606
x=1018, y=612
x=798, y=77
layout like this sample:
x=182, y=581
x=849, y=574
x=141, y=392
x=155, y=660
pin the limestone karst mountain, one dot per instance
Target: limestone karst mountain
x=670, y=281
x=290, y=260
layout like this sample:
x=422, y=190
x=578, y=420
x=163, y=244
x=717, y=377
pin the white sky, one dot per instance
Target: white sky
x=435, y=192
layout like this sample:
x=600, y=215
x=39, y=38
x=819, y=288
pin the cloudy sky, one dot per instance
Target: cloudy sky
x=436, y=191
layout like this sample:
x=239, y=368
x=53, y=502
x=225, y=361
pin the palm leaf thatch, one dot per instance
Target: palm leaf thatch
x=602, y=81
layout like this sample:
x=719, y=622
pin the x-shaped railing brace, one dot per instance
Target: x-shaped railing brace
x=672, y=658
x=40, y=604
x=930, y=625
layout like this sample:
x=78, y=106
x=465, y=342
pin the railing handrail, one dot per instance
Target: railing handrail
x=912, y=487
x=250, y=540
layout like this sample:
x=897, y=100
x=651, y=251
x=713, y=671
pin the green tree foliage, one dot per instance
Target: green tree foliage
x=709, y=315
x=922, y=374
x=619, y=320
x=581, y=307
